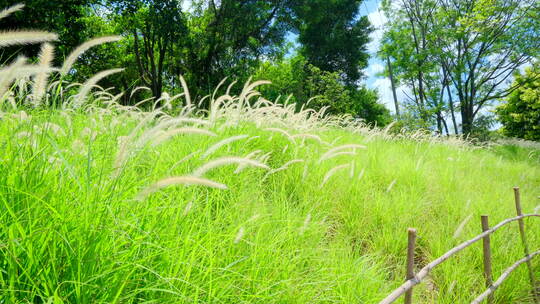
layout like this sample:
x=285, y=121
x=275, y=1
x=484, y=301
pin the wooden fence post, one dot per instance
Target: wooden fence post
x=410, y=261
x=524, y=242
x=487, y=257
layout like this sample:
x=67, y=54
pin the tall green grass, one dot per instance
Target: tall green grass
x=73, y=231
x=246, y=202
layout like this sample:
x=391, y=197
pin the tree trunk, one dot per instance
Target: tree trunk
x=396, y=105
x=452, y=112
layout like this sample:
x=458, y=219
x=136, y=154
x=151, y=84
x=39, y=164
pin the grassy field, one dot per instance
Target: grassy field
x=314, y=211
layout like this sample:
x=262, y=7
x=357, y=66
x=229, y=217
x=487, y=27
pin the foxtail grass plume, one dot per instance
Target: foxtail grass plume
x=331, y=172
x=284, y=167
x=89, y=84
x=389, y=188
x=250, y=156
x=171, y=133
x=361, y=174
x=307, y=135
x=227, y=161
x=278, y=130
x=305, y=172
x=186, y=90
x=10, y=10
x=330, y=152
x=39, y=86
x=11, y=38
x=239, y=235
x=179, y=180
x=304, y=227
x=7, y=74
x=70, y=60
x=188, y=207
x=341, y=153
x=460, y=227
x=222, y=143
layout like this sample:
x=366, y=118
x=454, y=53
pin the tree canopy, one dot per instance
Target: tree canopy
x=520, y=115
x=458, y=56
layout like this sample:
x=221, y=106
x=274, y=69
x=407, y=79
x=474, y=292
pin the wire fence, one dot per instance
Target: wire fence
x=414, y=279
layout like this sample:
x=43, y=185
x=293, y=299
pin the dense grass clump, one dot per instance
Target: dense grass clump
x=311, y=213
x=247, y=201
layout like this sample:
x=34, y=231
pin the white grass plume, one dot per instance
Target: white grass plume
x=341, y=153
x=307, y=135
x=11, y=38
x=284, y=167
x=239, y=235
x=7, y=74
x=278, y=130
x=226, y=161
x=389, y=188
x=186, y=90
x=56, y=129
x=89, y=84
x=157, y=130
x=361, y=174
x=265, y=157
x=331, y=172
x=70, y=60
x=187, y=209
x=250, y=156
x=460, y=227
x=185, y=158
x=137, y=89
x=222, y=143
x=179, y=180
x=305, y=172
x=10, y=10
x=418, y=163
x=341, y=148
x=307, y=220
x=124, y=143
x=39, y=86
x=171, y=133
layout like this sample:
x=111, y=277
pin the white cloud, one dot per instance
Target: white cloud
x=378, y=20
x=384, y=87
x=187, y=5
x=373, y=69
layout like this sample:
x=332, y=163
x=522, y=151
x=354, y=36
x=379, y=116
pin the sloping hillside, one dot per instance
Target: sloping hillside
x=245, y=204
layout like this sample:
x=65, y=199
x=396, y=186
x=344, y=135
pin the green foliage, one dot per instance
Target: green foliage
x=520, y=115
x=334, y=36
x=312, y=87
x=60, y=16
x=457, y=56
x=73, y=234
x=217, y=39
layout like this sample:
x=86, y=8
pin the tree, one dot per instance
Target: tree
x=228, y=38
x=520, y=115
x=414, y=64
x=302, y=81
x=470, y=48
x=155, y=29
x=333, y=36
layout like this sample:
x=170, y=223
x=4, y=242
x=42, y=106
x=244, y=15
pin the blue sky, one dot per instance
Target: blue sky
x=371, y=9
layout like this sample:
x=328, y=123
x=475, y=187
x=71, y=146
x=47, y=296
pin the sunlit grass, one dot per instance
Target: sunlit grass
x=73, y=230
